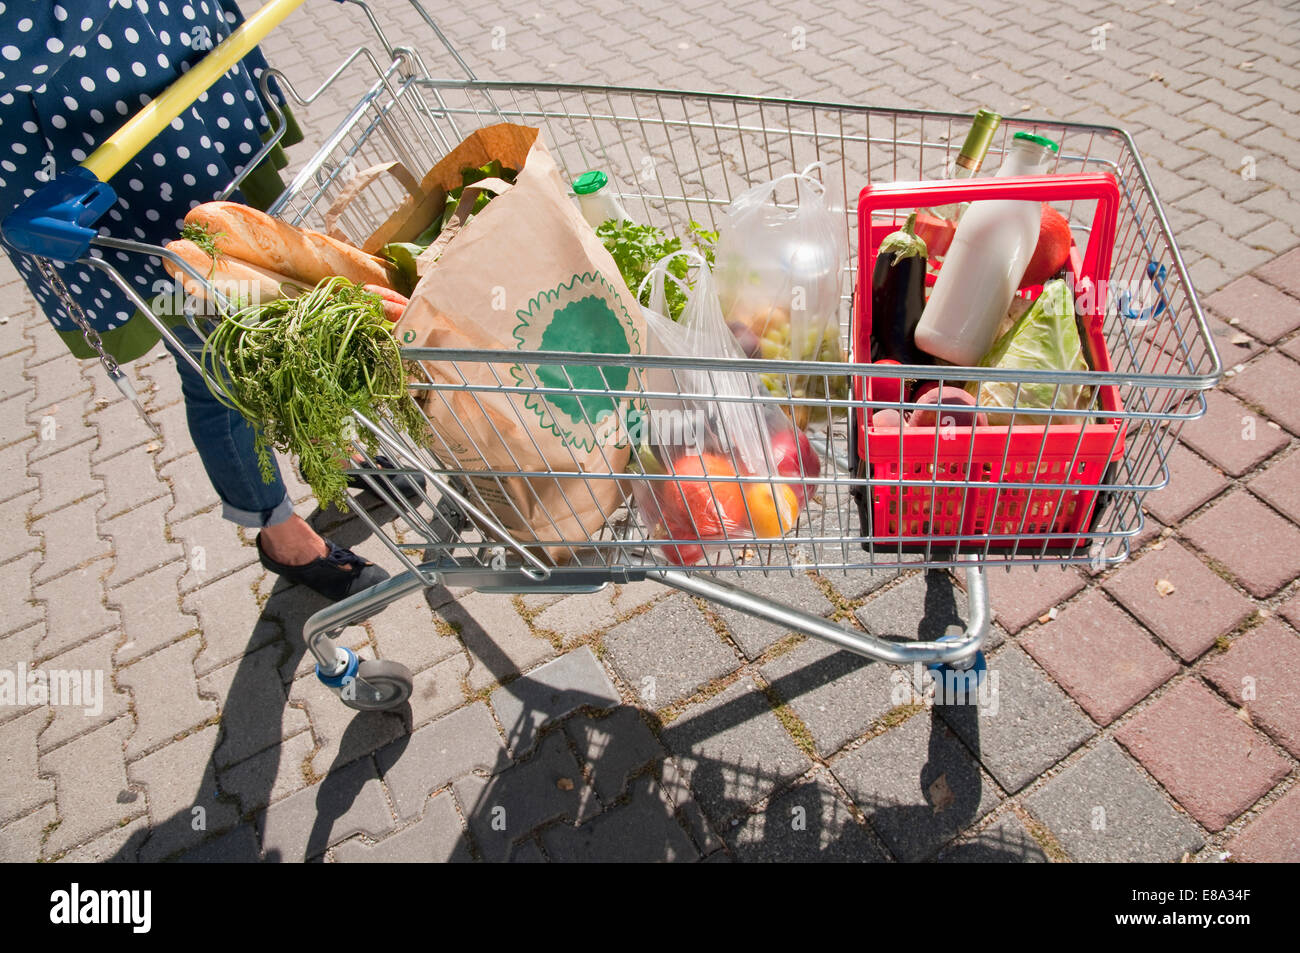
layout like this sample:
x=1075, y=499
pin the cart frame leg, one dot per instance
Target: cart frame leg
x=319, y=631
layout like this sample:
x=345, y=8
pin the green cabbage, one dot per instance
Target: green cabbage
x=1045, y=338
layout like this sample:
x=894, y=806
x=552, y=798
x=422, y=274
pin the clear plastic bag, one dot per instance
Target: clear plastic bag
x=714, y=439
x=779, y=274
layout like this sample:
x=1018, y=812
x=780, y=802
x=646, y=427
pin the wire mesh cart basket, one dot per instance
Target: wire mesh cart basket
x=1062, y=484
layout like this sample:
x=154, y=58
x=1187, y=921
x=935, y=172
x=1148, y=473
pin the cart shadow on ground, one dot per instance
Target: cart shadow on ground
x=588, y=781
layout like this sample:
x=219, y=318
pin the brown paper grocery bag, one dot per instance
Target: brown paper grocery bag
x=527, y=274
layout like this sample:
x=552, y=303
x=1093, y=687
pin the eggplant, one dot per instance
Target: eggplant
x=898, y=296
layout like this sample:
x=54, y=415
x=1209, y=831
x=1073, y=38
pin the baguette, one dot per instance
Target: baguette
x=238, y=280
x=304, y=255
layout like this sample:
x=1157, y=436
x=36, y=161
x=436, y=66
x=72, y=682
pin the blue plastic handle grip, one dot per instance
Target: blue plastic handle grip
x=58, y=220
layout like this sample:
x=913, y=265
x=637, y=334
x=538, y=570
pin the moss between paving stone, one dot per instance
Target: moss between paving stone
x=1042, y=836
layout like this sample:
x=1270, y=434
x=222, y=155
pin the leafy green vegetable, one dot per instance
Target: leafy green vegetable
x=296, y=368
x=206, y=240
x=635, y=249
x=404, y=254
x=1045, y=338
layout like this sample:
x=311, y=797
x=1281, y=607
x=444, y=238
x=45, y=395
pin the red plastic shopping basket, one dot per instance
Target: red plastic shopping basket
x=1056, y=454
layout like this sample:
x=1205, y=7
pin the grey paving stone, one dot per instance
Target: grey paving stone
x=613, y=748
x=65, y=477
x=809, y=823
x=923, y=606
x=405, y=632
x=231, y=621
x=437, y=689
x=509, y=806
x=129, y=481
x=269, y=775
x=640, y=831
x=18, y=607
x=91, y=781
x=238, y=846
x=304, y=825
x=578, y=614
x=836, y=694
x=668, y=653
x=1006, y=841
x=1104, y=809
x=414, y=766
x=917, y=785
x=139, y=541
x=151, y=617
x=754, y=635
x=86, y=673
x=165, y=694
x=212, y=549
x=74, y=609
x=1024, y=724
x=636, y=594
x=342, y=735
x=17, y=650
x=254, y=712
x=732, y=750
x=118, y=846
x=855, y=583
x=436, y=838
x=18, y=537
x=496, y=636
x=66, y=543
x=20, y=840
x=548, y=693
x=21, y=787
x=180, y=786
x=527, y=852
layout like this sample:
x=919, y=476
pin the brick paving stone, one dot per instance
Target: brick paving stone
x=165, y=696
x=18, y=608
x=1274, y=836
x=1005, y=841
x=304, y=825
x=150, y=617
x=238, y=846
x=613, y=749
x=18, y=649
x=212, y=549
x=755, y=636
x=464, y=741
x=505, y=808
x=1292, y=347
x=1283, y=271
x=67, y=545
x=129, y=481
x=1103, y=809
x=437, y=837
x=578, y=615
x=641, y=831
x=179, y=781
x=1098, y=655
x=437, y=690
x=74, y=609
x=1291, y=610
x=21, y=789
x=1022, y=726
x=1254, y=673
x=119, y=846
x=1192, y=482
x=1259, y=308
x=496, y=636
x=668, y=653
x=1200, y=608
x=1271, y=383
x=93, y=698
x=732, y=751
x=1211, y=761
x=1231, y=435
x=20, y=840
x=836, y=694
x=268, y=776
x=90, y=778
x=405, y=632
x=139, y=541
x=917, y=786
x=231, y=621
x=254, y=713
x=807, y=823
x=1279, y=486
x=1231, y=530
x=65, y=477
x=1020, y=596
x=548, y=693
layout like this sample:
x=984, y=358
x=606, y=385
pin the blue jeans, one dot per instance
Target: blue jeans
x=224, y=440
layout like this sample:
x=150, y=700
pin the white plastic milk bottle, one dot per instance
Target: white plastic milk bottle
x=992, y=246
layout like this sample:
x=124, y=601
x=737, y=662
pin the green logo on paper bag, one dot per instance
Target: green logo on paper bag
x=587, y=315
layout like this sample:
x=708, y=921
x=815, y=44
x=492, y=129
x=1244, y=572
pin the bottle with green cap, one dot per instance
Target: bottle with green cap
x=982, y=270
x=967, y=164
x=597, y=203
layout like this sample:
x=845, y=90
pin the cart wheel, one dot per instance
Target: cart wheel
x=953, y=686
x=379, y=685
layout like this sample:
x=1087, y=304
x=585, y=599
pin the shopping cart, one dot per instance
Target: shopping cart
x=1043, y=492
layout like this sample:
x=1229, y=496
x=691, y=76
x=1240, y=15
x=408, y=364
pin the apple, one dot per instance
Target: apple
x=951, y=407
x=794, y=457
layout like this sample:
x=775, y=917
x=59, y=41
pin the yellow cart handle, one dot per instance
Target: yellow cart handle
x=142, y=128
